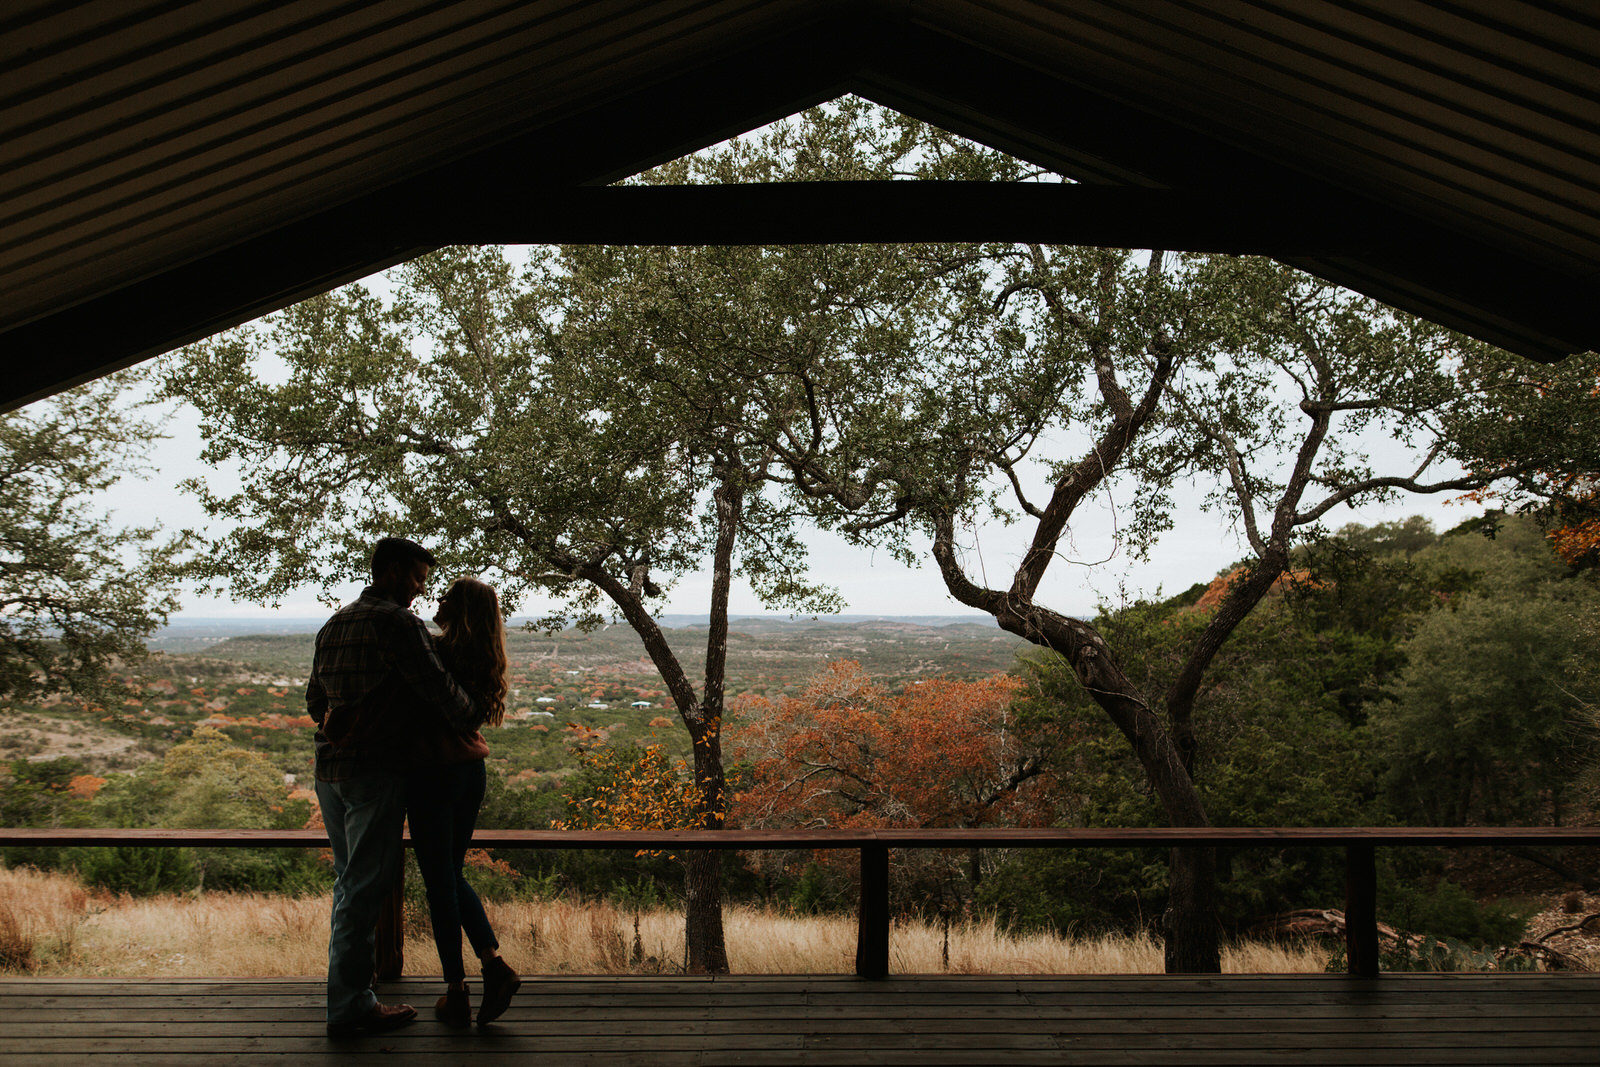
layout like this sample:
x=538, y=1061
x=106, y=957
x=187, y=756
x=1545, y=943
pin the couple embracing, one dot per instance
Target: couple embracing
x=398, y=716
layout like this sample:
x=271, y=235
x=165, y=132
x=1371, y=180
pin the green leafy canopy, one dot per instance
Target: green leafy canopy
x=78, y=593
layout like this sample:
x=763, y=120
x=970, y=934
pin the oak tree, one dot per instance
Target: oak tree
x=1264, y=385
x=78, y=592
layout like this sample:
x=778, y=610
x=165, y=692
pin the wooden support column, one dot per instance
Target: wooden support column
x=390, y=949
x=1361, y=910
x=872, y=936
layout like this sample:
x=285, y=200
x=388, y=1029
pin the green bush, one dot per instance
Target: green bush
x=138, y=871
x=1065, y=890
x=1446, y=911
x=263, y=870
x=814, y=892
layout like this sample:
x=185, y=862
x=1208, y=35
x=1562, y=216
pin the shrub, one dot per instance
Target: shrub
x=139, y=872
x=1445, y=911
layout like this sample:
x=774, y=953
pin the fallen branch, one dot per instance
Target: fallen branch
x=1553, y=958
x=1579, y=925
x=1330, y=922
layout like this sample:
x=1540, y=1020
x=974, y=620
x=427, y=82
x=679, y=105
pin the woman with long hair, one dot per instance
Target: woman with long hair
x=444, y=790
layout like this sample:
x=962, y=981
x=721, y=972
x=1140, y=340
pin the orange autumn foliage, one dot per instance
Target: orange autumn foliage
x=481, y=859
x=85, y=786
x=846, y=753
x=1215, y=593
x=1578, y=543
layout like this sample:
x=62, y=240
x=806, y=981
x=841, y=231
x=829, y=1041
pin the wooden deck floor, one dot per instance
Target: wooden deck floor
x=1399, y=1019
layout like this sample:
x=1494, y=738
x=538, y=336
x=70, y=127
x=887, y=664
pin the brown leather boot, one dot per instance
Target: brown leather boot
x=500, y=984
x=454, y=1008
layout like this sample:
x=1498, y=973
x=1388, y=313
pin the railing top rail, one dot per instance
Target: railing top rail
x=993, y=837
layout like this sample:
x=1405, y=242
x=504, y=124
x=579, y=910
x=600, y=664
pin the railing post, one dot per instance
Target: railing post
x=872, y=931
x=390, y=949
x=1361, y=910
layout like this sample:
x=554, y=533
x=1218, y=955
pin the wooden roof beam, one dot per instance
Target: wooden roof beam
x=236, y=284
x=893, y=212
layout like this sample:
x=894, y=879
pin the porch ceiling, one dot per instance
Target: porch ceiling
x=172, y=167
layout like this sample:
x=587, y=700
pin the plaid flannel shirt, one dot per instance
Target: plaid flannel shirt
x=376, y=662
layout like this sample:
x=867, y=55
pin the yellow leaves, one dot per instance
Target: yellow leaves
x=632, y=789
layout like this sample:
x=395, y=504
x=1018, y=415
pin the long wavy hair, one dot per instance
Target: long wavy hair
x=474, y=646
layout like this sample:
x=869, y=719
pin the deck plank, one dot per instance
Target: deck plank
x=819, y=1021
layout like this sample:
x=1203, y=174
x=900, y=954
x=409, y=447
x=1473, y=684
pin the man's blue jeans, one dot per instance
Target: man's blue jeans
x=363, y=816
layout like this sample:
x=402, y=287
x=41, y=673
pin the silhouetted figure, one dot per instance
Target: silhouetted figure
x=444, y=791
x=376, y=679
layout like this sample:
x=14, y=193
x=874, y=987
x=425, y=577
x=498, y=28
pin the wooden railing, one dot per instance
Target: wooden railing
x=872, y=940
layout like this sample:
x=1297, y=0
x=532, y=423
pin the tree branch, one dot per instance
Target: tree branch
x=1016, y=488
x=1410, y=485
x=1089, y=472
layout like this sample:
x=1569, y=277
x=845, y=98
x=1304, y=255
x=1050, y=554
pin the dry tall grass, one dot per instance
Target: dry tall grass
x=50, y=925
x=41, y=915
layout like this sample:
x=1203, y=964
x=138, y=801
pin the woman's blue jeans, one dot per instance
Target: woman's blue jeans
x=442, y=806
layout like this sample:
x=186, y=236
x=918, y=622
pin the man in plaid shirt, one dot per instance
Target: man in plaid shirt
x=375, y=676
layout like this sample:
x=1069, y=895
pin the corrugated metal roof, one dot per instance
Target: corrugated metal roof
x=1485, y=114
x=1479, y=119
x=138, y=136
x=133, y=135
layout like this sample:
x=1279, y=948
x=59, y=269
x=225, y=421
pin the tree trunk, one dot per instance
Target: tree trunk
x=1579, y=876
x=702, y=883
x=702, y=872
x=1189, y=926
x=1166, y=755
x=708, y=953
